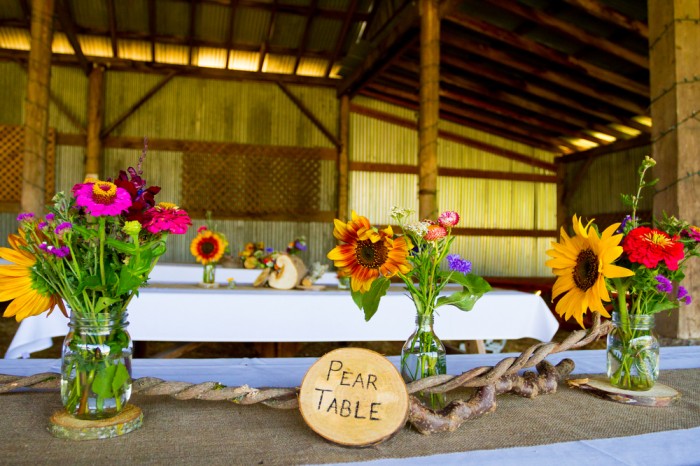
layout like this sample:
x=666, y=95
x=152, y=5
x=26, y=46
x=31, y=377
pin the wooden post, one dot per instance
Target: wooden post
x=343, y=158
x=36, y=109
x=95, y=118
x=429, y=113
x=674, y=35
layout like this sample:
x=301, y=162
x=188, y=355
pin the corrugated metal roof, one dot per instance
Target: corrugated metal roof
x=132, y=15
x=95, y=46
x=251, y=26
x=134, y=49
x=14, y=38
x=10, y=9
x=323, y=34
x=89, y=13
x=209, y=57
x=288, y=30
x=213, y=22
x=173, y=18
x=175, y=54
x=283, y=64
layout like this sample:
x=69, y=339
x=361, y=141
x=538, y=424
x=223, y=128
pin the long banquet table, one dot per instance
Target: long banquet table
x=568, y=427
x=180, y=311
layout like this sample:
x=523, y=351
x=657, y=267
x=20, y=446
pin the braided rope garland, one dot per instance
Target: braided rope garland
x=286, y=398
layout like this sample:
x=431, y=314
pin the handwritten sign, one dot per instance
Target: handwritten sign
x=354, y=397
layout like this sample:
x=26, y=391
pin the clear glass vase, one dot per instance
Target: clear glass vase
x=632, y=352
x=209, y=275
x=423, y=355
x=96, y=366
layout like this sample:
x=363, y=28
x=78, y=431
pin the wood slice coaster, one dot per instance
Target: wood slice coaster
x=658, y=396
x=207, y=285
x=64, y=425
x=354, y=397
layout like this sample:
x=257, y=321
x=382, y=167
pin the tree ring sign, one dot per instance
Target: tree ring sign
x=354, y=397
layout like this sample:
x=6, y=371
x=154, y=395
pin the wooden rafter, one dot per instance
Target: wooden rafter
x=342, y=37
x=570, y=30
x=268, y=37
x=191, y=31
x=26, y=11
x=305, y=35
x=601, y=11
x=309, y=114
x=106, y=132
x=288, y=8
x=152, y=28
x=229, y=33
x=112, y=20
x=569, y=61
x=68, y=25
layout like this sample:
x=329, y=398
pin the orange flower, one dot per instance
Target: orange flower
x=367, y=253
x=208, y=247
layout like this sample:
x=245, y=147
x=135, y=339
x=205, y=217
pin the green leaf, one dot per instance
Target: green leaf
x=370, y=299
x=105, y=302
x=473, y=288
x=121, y=376
x=102, y=384
x=462, y=300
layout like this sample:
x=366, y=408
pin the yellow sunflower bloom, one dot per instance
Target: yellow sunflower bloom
x=17, y=285
x=581, y=264
x=208, y=247
x=366, y=253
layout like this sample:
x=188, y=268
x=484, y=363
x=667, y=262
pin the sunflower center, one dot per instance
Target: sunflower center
x=104, y=192
x=658, y=239
x=586, y=269
x=207, y=248
x=371, y=255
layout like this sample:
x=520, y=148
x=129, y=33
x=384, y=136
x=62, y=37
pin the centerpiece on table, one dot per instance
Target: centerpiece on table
x=93, y=250
x=371, y=257
x=639, y=267
x=208, y=248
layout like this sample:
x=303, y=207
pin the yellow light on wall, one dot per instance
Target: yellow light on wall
x=209, y=57
x=645, y=120
x=625, y=129
x=60, y=44
x=602, y=136
x=243, y=61
x=14, y=38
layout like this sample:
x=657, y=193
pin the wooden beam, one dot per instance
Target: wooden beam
x=190, y=31
x=617, y=146
x=452, y=172
x=64, y=16
x=342, y=37
x=343, y=158
x=459, y=139
x=603, y=12
x=107, y=131
x=399, y=37
x=95, y=117
x=229, y=33
x=517, y=62
x=305, y=35
x=288, y=8
x=300, y=105
x=36, y=114
x=152, y=17
x=569, y=29
x=571, y=62
x=268, y=37
x=112, y=20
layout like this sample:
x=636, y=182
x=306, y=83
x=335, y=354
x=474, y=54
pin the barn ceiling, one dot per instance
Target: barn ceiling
x=560, y=75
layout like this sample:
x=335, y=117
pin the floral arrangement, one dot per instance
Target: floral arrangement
x=93, y=249
x=637, y=266
x=297, y=246
x=370, y=257
x=257, y=256
x=209, y=246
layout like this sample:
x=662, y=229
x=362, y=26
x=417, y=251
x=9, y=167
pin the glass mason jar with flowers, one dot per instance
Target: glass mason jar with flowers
x=371, y=257
x=92, y=250
x=208, y=248
x=639, y=268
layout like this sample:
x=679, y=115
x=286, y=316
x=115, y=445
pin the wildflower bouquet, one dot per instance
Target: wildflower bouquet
x=257, y=256
x=94, y=248
x=637, y=266
x=370, y=257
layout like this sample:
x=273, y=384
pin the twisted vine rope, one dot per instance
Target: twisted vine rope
x=286, y=398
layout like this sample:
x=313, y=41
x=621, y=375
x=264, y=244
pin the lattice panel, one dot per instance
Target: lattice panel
x=259, y=182
x=12, y=162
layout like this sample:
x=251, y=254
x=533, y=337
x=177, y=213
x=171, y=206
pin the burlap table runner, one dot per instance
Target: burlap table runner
x=203, y=432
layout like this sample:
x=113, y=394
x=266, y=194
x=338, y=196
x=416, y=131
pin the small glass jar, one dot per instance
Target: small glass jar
x=96, y=366
x=632, y=352
x=209, y=274
x=423, y=355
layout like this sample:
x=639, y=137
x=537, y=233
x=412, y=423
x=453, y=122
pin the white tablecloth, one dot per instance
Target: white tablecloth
x=669, y=448
x=188, y=313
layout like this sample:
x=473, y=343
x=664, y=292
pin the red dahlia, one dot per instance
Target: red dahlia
x=649, y=246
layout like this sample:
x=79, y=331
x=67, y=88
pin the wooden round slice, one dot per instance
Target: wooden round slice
x=354, y=397
x=64, y=425
x=659, y=395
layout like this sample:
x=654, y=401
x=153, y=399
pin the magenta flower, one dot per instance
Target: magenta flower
x=50, y=217
x=694, y=232
x=167, y=217
x=201, y=229
x=25, y=217
x=448, y=219
x=102, y=198
x=61, y=227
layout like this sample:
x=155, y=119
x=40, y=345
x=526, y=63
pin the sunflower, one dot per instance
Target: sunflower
x=208, y=247
x=18, y=283
x=582, y=264
x=368, y=253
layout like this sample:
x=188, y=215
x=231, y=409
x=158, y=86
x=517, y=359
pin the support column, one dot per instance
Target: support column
x=343, y=158
x=674, y=35
x=95, y=120
x=429, y=114
x=36, y=108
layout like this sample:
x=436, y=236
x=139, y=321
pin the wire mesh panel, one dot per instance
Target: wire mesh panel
x=12, y=163
x=253, y=182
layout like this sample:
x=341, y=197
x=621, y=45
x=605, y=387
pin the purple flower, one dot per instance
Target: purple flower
x=63, y=251
x=25, y=216
x=50, y=217
x=622, y=225
x=684, y=296
x=62, y=226
x=664, y=284
x=458, y=264
x=44, y=247
x=42, y=225
x=300, y=246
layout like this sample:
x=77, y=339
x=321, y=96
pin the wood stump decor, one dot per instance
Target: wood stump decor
x=659, y=395
x=288, y=273
x=64, y=425
x=354, y=397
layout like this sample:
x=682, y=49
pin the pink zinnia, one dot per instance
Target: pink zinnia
x=448, y=218
x=649, y=246
x=102, y=198
x=167, y=217
x=435, y=232
x=694, y=232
